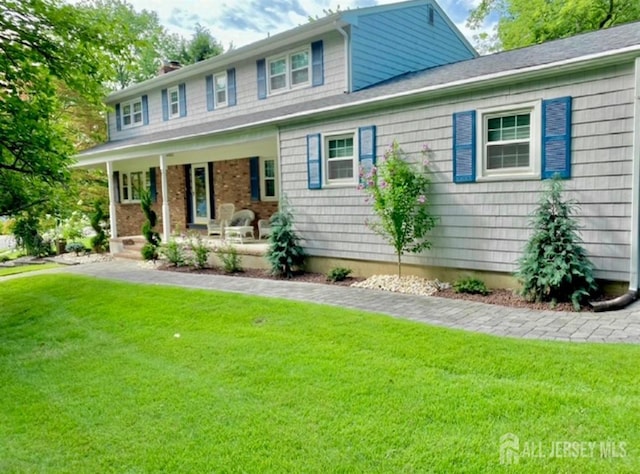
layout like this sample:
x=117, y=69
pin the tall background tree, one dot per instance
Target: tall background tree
x=526, y=22
x=54, y=61
x=57, y=63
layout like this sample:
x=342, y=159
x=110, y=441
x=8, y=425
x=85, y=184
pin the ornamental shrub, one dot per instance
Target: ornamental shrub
x=231, y=261
x=399, y=192
x=285, y=255
x=173, y=252
x=75, y=247
x=555, y=266
x=338, y=274
x=470, y=285
x=200, y=251
x=152, y=237
x=27, y=234
x=100, y=241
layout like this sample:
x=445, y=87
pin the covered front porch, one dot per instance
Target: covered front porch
x=188, y=180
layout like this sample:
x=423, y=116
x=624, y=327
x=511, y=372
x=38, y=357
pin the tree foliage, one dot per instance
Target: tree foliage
x=54, y=59
x=555, y=266
x=526, y=22
x=399, y=193
x=201, y=46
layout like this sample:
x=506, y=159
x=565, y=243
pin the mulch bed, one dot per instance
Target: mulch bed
x=502, y=297
x=506, y=297
x=264, y=274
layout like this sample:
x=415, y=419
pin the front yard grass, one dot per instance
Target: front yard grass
x=100, y=376
x=26, y=268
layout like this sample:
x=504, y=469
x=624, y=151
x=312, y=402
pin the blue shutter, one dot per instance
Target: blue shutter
x=556, y=137
x=254, y=177
x=209, y=91
x=118, y=119
x=182, y=94
x=317, y=64
x=314, y=162
x=145, y=110
x=165, y=105
x=152, y=185
x=367, y=144
x=231, y=86
x=116, y=185
x=464, y=147
x=262, y=78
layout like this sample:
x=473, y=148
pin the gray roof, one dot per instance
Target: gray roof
x=593, y=43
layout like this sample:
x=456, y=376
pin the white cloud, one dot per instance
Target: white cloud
x=245, y=21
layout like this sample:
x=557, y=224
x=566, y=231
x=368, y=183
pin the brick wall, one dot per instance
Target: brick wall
x=231, y=183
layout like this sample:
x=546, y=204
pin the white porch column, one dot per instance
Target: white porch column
x=113, y=222
x=166, y=218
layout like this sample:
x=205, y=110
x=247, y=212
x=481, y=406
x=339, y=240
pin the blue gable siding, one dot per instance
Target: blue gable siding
x=390, y=42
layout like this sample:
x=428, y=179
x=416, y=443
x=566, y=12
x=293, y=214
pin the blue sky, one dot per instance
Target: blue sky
x=245, y=21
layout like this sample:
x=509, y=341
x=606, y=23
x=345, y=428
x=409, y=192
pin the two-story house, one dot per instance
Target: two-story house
x=298, y=113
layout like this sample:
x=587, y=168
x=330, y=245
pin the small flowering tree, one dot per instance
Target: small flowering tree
x=399, y=192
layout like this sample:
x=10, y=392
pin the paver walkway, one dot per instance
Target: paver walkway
x=617, y=326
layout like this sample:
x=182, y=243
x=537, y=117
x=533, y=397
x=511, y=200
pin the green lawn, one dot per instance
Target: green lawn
x=26, y=268
x=94, y=379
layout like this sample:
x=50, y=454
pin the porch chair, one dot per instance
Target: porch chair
x=225, y=214
x=264, y=228
x=240, y=225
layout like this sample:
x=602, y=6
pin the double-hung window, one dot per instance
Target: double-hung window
x=132, y=185
x=339, y=159
x=289, y=71
x=268, y=177
x=174, y=102
x=131, y=113
x=220, y=89
x=509, y=142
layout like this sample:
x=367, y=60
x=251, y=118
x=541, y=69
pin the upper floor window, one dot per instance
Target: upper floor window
x=220, y=85
x=174, y=102
x=131, y=113
x=302, y=67
x=289, y=71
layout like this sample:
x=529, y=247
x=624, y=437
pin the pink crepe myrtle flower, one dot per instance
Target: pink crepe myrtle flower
x=422, y=199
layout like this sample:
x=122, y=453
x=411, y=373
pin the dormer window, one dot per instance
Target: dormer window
x=289, y=71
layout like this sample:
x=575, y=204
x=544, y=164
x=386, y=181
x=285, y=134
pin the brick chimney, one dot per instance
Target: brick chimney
x=168, y=66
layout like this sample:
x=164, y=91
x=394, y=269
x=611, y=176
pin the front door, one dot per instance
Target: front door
x=200, y=193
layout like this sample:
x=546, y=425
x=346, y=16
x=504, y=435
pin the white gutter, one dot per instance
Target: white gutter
x=635, y=186
x=567, y=64
x=347, y=59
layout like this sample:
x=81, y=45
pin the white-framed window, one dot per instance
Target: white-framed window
x=269, y=179
x=173, y=95
x=131, y=113
x=289, y=70
x=508, y=141
x=132, y=183
x=220, y=89
x=340, y=160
